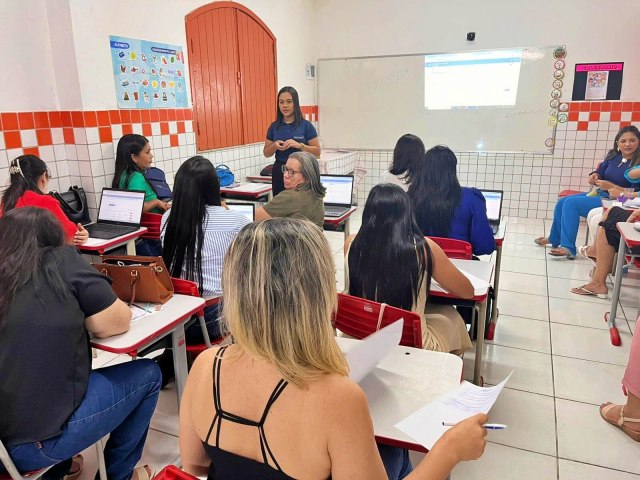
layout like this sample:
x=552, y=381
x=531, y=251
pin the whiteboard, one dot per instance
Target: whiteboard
x=370, y=102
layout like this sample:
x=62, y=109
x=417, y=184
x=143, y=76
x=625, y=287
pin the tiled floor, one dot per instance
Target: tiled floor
x=558, y=346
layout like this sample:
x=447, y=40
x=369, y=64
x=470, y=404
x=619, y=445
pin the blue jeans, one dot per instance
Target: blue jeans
x=566, y=219
x=149, y=248
x=396, y=461
x=119, y=400
x=193, y=334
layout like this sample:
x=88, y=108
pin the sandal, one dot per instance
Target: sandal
x=561, y=252
x=583, y=253
x=77, y=462
x=607, y=407
x=143, y=472
x=541, y=241
x=583, y=290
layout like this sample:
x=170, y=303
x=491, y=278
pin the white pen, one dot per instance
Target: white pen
x=488, y=426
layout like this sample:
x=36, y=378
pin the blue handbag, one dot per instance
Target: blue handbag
x=225, y=175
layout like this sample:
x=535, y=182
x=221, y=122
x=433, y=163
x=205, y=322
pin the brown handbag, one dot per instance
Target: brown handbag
x=137, y=278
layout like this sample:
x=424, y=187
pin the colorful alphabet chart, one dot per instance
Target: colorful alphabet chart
x=148, y=74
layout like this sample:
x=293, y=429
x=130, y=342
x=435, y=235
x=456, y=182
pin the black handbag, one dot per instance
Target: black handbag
x=73, y=204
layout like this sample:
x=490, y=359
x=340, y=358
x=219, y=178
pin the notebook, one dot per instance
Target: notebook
x=247, y=209
x=119, y=213
x=493, y=199
x=337, y=200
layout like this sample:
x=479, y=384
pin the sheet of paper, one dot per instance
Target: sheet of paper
x=634, y=202
x=366, y=354
x=479, y=285
x=247, y=187
x=425, y=425
x=141, y=310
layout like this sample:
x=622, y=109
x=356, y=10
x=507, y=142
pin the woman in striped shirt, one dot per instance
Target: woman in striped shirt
x=196, y=233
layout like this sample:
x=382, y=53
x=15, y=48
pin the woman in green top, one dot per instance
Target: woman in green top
x=133, y=158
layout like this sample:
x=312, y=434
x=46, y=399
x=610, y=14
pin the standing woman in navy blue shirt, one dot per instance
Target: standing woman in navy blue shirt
x=290, y=133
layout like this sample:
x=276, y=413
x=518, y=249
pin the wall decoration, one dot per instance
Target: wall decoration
x=598, y=81
x=148, y=74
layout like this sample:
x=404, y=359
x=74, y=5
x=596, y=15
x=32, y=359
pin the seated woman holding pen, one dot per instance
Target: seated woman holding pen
x=278, y=404
x=390, y=261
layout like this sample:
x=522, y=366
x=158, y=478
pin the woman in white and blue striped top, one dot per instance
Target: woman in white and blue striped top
x=196, y=233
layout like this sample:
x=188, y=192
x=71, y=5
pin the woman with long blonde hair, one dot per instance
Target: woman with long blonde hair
x=277, y=404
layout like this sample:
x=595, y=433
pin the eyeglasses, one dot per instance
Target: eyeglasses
x=288, y=171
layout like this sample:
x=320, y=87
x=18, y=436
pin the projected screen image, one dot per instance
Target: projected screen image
x=471, y=79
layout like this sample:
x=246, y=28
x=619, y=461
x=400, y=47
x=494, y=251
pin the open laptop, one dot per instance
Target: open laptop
x=337, y=200
x=493, y=199
x=120, y=213
x=247, y=209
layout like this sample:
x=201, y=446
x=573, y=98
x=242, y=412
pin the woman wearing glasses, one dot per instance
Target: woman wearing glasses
x=303, y=192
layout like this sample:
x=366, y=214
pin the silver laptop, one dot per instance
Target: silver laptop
x=247, y=209
x=120, y=213
x=337, y=200
x=493, y=199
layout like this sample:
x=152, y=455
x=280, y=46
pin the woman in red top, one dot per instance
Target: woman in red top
x=29, y=178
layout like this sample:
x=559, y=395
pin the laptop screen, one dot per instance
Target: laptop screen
x=121, y=206
x=247, y=209
x=493, y=199
x=339, y=189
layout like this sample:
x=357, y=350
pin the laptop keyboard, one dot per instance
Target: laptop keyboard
x=335, y=211
x=106, y=231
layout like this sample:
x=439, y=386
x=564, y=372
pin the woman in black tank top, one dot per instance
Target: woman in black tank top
x=278, y=404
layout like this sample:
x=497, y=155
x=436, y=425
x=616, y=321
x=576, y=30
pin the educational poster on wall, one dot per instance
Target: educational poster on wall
x=148, y=74
x=598, y=81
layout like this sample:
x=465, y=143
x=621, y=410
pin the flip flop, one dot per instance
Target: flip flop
x=77, y=463
x=582, y=290
x=583, y=253
x=561, y=252
x=541, y=241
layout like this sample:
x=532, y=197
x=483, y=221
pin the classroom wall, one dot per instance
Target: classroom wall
x=593, y=31
x=60, y=104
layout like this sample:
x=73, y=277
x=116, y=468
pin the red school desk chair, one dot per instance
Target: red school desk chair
x=460, y=249
x=187, y=287
x=360, y=318
x=172, y=472
x=13, y=474
x=152, y=222
x=453, y=248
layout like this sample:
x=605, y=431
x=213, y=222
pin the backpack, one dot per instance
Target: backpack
x=158, y=179
x=225, y=175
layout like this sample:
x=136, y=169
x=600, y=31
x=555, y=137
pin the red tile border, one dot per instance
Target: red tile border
x=10, y=121
x=68, y=135
x=32, y=151
x=44, y=136
x=615, y=116
x=594, y=116
x=26, y=121
x=127, y=128
x=41, y=119
x=90, y=119
x=181, y=128
x=103, y=118
x=55, y=119
x=146, y=130
x=66, y=119
x=583, y=126
x=114, y=117
x=12, y=140
x=164, y=128
x=173, y=140
x=105, y=134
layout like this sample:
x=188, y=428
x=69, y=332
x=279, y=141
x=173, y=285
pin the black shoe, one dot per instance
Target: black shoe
x=165, y=362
